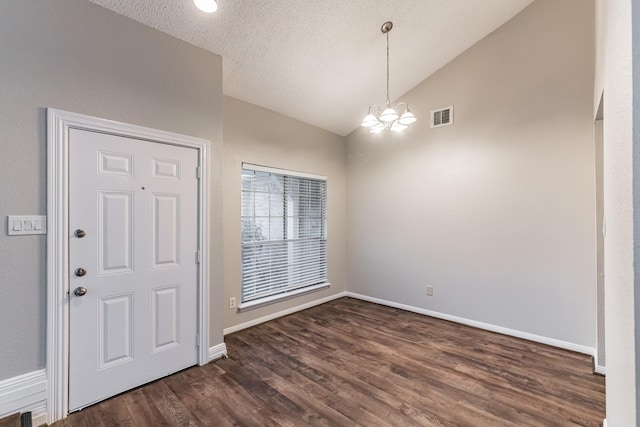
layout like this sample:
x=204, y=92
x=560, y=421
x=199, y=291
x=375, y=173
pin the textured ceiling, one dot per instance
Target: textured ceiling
x=323, y=61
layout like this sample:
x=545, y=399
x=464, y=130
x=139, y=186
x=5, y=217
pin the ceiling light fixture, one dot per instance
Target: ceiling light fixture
x=396, y=118
x=208, y=6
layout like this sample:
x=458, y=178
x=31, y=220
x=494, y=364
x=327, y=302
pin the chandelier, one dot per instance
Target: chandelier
x=396, y=118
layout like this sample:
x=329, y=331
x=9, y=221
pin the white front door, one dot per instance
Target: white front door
x=133, y=240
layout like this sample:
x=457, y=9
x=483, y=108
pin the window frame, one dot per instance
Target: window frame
x=294, y=291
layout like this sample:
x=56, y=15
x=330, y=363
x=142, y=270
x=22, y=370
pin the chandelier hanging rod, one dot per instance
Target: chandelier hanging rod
x=386, y=27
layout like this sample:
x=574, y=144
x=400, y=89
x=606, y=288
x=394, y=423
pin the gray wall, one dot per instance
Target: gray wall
x=618, y=76
x=75, y=56
x=263, y=137
x=497, y=212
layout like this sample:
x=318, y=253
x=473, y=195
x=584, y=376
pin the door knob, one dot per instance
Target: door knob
x=80, y=233
x=80, y=272
x=80, y=291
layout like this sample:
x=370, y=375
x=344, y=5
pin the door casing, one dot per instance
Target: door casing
x=58, y=125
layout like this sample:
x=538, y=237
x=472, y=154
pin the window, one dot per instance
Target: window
x=284, y=233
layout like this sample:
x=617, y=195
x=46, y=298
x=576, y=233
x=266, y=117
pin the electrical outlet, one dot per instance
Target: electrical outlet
x=232, y=303
x=430, y=290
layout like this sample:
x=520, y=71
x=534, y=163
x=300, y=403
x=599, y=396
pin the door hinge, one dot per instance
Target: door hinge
x=198, y=340
x=198, y=172
x=197, y=257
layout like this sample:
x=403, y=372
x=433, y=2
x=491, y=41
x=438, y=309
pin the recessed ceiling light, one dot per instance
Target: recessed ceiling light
x=208, y=6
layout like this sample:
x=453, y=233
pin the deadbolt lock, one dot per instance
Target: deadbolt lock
x=80, y=272
x=80, y=233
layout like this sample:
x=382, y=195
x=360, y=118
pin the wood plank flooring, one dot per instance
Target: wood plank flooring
x=354, y=363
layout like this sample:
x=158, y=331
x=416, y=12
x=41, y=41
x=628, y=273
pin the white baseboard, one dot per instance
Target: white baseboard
x=604, y=423
x=487, y=326
x=597, y=367
x=272, y=316
x=25, y=393
x=217, y=351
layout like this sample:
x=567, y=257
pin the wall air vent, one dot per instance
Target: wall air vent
x=442, y=117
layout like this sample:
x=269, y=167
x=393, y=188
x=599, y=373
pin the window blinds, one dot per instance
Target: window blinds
x=284, y=231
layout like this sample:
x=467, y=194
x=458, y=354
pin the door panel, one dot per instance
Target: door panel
x=115, y=216
x=115, y=164
x=165, y=318
x=166, y=230
x=165, y=168
x=137, y=202
x=115, y=330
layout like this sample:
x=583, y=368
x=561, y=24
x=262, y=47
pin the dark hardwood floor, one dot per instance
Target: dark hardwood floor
x=349, y=362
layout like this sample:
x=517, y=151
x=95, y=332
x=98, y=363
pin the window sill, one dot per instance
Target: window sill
x=252, y=305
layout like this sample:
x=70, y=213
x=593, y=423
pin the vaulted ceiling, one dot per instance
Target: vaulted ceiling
x=323, y=61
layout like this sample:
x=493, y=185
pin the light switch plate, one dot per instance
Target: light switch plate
x=20, y=225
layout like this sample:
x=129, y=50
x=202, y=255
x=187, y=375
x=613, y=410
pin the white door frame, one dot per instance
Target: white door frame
x=58, y=125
